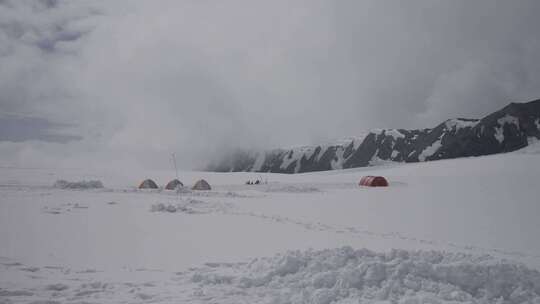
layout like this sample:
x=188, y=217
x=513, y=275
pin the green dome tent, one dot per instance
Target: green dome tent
x=148, y=184
x=172, y=185
x=201, y=185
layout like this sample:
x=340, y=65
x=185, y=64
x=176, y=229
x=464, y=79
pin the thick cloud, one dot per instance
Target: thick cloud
x=134, y=81
x=19, y=129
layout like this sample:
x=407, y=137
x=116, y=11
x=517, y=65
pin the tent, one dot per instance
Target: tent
x=172, y=185
x=201, y=185
x=373, y=181
x=148, y=184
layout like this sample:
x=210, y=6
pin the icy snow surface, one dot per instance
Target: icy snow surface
x=466, y=231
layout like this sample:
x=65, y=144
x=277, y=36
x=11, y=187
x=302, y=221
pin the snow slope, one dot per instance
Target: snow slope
x=465, y=230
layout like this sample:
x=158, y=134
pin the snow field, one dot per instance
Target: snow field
x=466, y=232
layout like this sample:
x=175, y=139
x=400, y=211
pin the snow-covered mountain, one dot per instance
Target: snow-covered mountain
x=506, y=130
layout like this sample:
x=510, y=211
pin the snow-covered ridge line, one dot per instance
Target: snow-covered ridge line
x=506, y=130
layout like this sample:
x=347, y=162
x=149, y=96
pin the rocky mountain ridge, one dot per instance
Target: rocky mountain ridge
x=509, y=129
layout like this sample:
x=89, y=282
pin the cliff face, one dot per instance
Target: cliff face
x=506, y=130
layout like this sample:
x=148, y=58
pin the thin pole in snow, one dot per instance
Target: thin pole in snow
x=174, y=162
x=173, y=156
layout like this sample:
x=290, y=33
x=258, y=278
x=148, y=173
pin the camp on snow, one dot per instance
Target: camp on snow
x=172, y=185
x=373, y=181
x=148, y=184
x=201, y=185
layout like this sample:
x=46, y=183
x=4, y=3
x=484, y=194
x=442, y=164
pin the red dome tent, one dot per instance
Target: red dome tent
x=373, y=181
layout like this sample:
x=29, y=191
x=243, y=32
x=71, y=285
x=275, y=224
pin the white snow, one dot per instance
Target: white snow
x=298, y=153
x=251, y=244
x=91, y=184
x=295, y=156
x=307, y=152
x=374, y=158
x=377, y=161
x=191, y=206
x=429, y=151
x=499, y=134
x=533, y=146
x=346, y=275
x=458, y=124
x=377, y=131
x=499, y=131
x=320, y=154
x=394, y=133
x=291, y=188
x=357, y=141
x=508, y=119
x=259, y=161
x=338, y=164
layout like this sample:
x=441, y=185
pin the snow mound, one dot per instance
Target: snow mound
x=345, y=275
x=191, y=206
x=90, y=184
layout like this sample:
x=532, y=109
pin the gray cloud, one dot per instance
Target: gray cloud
x=19, y=129
x=146, y=78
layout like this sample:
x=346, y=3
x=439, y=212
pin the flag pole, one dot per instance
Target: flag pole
x=174, y=162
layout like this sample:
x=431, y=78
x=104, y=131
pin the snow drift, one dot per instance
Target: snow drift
x=191, y=206
x=91, y=184
x=345, y=275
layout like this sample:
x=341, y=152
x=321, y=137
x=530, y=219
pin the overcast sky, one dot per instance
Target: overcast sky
x=128, y=82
